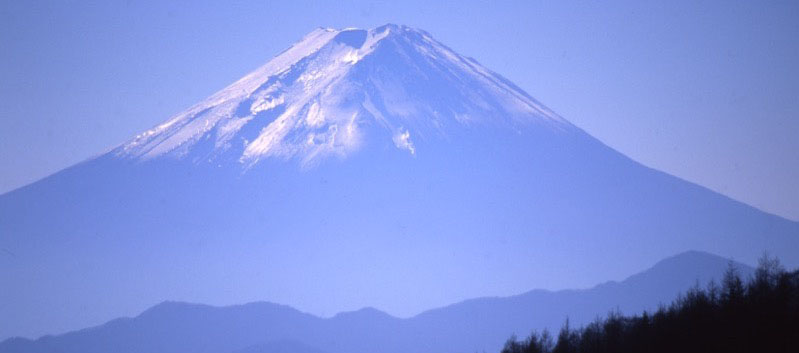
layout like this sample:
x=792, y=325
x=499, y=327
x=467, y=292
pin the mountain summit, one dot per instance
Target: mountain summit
x=335, y=88
x=357, y=168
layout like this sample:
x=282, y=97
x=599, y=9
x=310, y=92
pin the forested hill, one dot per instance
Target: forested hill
x=759, y=314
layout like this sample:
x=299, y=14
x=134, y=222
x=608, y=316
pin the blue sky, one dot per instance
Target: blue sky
x=705, y=90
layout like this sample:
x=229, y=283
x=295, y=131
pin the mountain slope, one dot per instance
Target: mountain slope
x=322, y=96
x=473, y=325
x=356, y=168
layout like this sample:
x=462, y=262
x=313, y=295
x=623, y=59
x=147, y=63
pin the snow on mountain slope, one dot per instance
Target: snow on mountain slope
x=315, y=99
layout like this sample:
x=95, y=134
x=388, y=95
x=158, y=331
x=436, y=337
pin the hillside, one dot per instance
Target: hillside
x=473, y=325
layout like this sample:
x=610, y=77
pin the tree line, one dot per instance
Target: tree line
x=759, y=314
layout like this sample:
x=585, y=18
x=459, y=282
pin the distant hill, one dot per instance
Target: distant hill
x=471, y=326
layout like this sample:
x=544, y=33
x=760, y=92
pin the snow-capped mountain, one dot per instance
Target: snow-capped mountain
x=321, y=96
x=357, y=168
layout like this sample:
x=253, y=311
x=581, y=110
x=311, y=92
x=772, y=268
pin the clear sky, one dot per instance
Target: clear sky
x=705, y=90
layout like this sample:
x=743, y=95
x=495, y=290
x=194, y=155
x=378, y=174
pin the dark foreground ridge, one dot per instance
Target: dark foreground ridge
x=759, y=316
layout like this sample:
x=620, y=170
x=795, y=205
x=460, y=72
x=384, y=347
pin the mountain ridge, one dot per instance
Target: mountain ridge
x=366, y=320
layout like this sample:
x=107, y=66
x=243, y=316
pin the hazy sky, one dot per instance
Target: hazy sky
x=705, y=90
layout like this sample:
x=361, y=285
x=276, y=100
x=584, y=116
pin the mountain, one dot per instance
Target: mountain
x=470, y=326
x=335, y=90
x=358, y=167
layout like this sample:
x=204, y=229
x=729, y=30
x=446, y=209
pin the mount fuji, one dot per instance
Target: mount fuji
x=356, y=168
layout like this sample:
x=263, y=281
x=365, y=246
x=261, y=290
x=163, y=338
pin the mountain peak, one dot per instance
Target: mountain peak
x=363, y=313
x=693, y=259
x=702, y=265
x=171, y=308
x=334, y=91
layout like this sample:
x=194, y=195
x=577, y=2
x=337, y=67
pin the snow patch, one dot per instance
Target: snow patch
x=266, y=103
x=314, y=118
x=402, y=139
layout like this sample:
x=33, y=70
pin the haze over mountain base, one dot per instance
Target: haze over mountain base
x=475, y=325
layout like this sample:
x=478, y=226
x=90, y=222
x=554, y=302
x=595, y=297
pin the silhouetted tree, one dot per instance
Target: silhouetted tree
x=732, y=290
x=568, y=340
x=534, y=343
